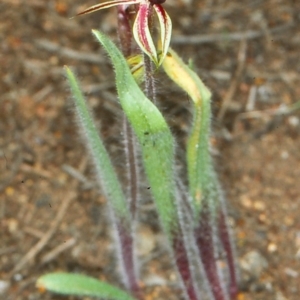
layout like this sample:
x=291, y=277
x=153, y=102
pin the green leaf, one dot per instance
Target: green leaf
x=105, y=171
x=153, y=134
x=80, y=285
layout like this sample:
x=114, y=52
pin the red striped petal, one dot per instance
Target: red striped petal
x=165, y=30
x=107, y=4
x=142, y=33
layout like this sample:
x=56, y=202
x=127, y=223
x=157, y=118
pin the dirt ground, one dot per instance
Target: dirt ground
x=51, y=214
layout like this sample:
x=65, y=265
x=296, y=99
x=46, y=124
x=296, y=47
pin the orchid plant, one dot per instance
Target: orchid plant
x=193, y=217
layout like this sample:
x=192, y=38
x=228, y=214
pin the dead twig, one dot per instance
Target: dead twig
x=274, y=115
x=70, y=53
x=36, y=170
x=43, y=93
x=235, y=80
x=282, y=110
x=232, y=37
x=58, y=250
x=33, y=232
x=8, y=249
x=251, y=98
x=79, y=176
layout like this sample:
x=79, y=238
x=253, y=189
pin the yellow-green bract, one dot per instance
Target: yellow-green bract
x=202, y=178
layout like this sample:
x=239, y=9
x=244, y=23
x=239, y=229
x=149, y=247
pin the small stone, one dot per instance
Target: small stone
x=18, y=277
x=13, y=225
x=272, y=247
x=288, y=221
x=253, y=263
x=146, y=241
x=4, y=285
x=259, y=205
x=298, y=254
x=290, y=272
x=280, y=296
x=173, y=276
x=152, y=280
x=284, y=155
x=293, y=121
x=297, y=239
x=246, y=201
x=9, y=191
x=262, y=218
x=269, y=286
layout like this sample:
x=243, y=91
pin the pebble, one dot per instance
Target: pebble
x=146, y=241
x=253, y=264
x=4, y=285
x=152, y=280
x=280, y=296
x=259, y=205
x=293, y=121
x=272, y=247
x=290, y=272
x=284, y=155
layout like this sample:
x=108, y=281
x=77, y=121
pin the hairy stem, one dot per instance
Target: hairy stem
x=227, y=245
x=150, y=90
x=132, y=167
x=183, y=266
x=127, y=238
x=124, y=29
x=184, y=247
x=204, y=239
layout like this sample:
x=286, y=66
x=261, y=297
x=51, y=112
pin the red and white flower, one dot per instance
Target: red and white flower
x=141, y=30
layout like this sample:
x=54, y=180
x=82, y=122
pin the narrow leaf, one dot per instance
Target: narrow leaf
x=105, y=171
x=153, y=134
x=110, y=186
x=80, y=285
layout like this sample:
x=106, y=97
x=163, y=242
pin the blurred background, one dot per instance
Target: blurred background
x=52, y=215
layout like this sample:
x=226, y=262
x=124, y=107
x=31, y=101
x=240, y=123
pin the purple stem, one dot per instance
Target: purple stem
x=205, y=244
x=182, y=262
x=126, y=242
x=125, y=235
x=124, y=29
x=125, y=36
x=226, y=242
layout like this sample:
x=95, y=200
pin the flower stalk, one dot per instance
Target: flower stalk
x=132, y=170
